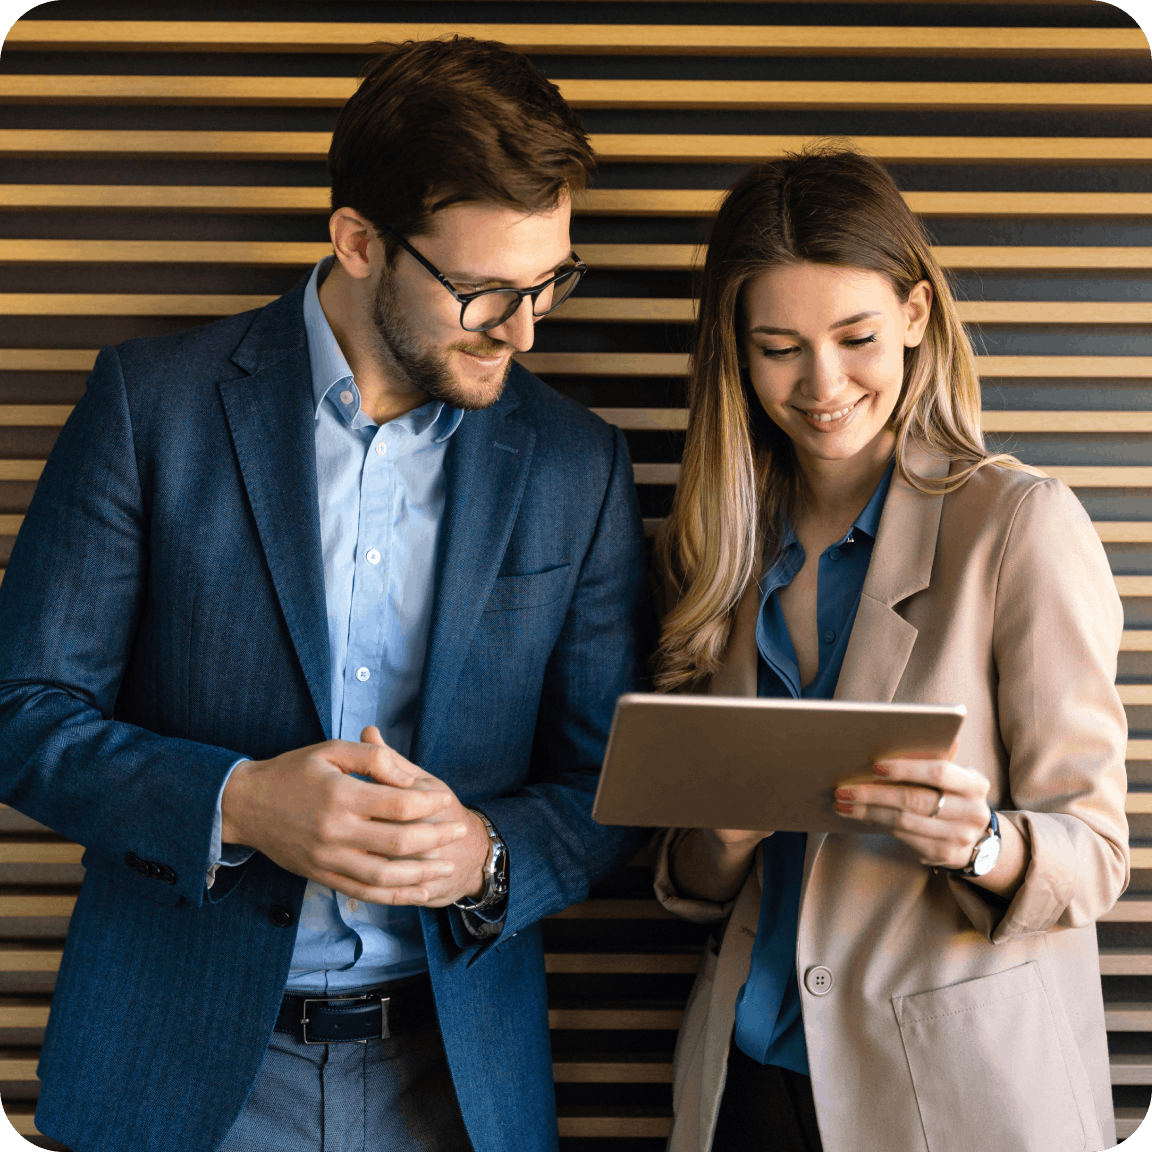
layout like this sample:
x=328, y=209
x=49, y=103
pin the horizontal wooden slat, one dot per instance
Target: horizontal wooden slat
x=22, y=1118
x=1139, y=750
x=1074, y=476
x=644, y=963
x=676, y=419
x=1126, y=962
x=614, y=309
x=33, y=415
x=1141, y=857
x=656, y=257
x=1135, y=693
x=21, y=469
x=611, y=147
x=613, y=1069
x=1137, y=641
x=13, y=1069
x=573, y=39
x=1124, y=531
x=36, y=905
x=625, y=1126
x=718, y=95
x=39, y=852
x=606, y=1019
x=676, y=364
x=1130, y=910
x=23, y=1015
x=1128, y=1017
x=1130, y=1069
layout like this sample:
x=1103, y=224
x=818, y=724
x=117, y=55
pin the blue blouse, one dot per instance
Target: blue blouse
x=769, y=1027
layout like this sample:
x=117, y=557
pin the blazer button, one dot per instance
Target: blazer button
x=131, y=859
x=279, y=916
x=142, y=867
x=153, y=870
x=168, y=875
x=818, y=981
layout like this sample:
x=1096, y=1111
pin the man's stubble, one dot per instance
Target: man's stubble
x=425, y=369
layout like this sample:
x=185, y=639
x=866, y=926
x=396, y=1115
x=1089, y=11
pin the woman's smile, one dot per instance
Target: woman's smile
x=831, y=420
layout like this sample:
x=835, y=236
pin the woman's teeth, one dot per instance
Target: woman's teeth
x=828, y=417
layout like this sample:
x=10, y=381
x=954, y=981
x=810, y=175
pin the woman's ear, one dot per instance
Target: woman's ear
x=917, y=309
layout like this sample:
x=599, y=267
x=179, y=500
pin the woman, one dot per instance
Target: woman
x=930, y=981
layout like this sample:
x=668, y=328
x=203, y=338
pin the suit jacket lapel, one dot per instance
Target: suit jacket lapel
x=272, y=422
x=901, y=566
x=487, y=466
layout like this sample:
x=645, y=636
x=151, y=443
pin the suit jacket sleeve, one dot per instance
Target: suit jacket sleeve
x=1058, y=622
x=555, y=849
x=70, y=606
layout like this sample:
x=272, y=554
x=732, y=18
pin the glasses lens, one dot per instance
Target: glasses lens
x=555, y=294
x=489, y=309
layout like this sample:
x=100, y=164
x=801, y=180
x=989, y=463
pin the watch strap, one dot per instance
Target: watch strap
x=495, y=872
x=993, y=830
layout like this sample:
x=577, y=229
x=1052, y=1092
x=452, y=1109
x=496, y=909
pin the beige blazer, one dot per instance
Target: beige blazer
x=952, y=1024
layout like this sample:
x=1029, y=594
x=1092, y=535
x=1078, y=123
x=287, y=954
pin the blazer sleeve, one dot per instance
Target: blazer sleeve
x=1057, y=629
x=556, y=850
x=70, y=606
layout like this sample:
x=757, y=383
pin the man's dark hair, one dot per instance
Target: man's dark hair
x=440, y=122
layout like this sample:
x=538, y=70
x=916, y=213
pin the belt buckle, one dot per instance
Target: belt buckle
x=384, y=1002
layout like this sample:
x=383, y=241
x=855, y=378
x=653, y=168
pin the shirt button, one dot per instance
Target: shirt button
x=346, y=397
x=818, y=981
x=833, y=553
x=381, y=449
x=372, y=556
x=362, y=674
x=829, y=636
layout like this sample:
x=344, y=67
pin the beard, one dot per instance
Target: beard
x=428, y=369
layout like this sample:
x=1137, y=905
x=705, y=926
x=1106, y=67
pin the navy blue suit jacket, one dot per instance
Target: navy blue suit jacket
x=163, y=613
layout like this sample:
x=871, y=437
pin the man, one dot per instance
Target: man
x=272, y=566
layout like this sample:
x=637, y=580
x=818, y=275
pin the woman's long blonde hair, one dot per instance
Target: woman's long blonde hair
x=826, y=205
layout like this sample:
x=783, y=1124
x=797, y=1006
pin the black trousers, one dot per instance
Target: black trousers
x=765, y=1109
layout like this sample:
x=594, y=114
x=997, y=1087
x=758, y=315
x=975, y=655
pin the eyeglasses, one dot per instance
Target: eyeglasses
x=490, y=307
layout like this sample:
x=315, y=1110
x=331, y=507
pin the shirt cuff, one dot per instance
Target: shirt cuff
x=218, y=853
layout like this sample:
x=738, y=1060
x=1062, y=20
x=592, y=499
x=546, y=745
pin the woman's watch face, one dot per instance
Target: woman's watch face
x=987, y=855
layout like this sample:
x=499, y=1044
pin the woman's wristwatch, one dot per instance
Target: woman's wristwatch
x=986, y=854
x=495, y=872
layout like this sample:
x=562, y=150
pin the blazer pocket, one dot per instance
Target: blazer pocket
x=533, y=590
x=988, y=1067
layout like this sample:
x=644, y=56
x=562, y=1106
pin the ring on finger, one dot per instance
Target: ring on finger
x=939, y=805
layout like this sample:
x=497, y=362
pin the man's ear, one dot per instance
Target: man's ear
x=353, y=239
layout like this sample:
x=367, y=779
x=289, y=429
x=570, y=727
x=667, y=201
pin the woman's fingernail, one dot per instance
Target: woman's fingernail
x=881, y=769
x=845, y=794
x=844, y=809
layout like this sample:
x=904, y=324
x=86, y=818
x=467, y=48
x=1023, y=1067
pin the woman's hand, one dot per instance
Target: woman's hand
x=940, y=810
x=711, y=863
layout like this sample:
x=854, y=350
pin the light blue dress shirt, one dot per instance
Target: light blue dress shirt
x=382, y=492
x=769, y=1025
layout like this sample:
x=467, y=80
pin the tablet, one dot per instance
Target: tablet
x=734, y=762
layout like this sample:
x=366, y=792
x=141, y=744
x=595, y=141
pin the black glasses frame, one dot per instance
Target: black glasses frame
x=466, y=298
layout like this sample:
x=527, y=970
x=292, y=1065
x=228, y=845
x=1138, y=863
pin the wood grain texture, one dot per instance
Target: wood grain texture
x=675, y=148
x=623, y=94
x=575, y=39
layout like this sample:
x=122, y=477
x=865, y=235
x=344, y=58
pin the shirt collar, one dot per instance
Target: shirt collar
x=789, y=554
x=330, y=368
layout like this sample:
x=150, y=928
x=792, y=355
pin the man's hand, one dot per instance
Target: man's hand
x=401, y=837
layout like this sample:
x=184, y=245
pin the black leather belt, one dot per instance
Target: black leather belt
x=374, y=1014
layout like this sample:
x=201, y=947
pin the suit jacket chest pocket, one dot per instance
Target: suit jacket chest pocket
x=989, y=1068
x=532, y=590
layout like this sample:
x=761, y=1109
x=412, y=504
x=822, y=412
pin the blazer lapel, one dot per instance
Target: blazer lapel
x=487, y=466
x=882, y=640
x=271, y=419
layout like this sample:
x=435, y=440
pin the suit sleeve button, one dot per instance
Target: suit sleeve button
x=142, y=867
x=131, y=859
x=168, y=875
x=153, y=870
x=280, y=916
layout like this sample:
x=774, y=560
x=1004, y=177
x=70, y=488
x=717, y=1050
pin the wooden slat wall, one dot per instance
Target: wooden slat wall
x=160, y=173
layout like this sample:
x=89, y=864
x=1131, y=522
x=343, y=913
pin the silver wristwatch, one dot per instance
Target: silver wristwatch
x=986, y=854
x=495, y=871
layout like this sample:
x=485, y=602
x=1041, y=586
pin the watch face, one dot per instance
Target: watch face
x=986, y=856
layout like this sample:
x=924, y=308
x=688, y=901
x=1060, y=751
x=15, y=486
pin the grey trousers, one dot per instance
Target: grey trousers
x=391, y=1095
